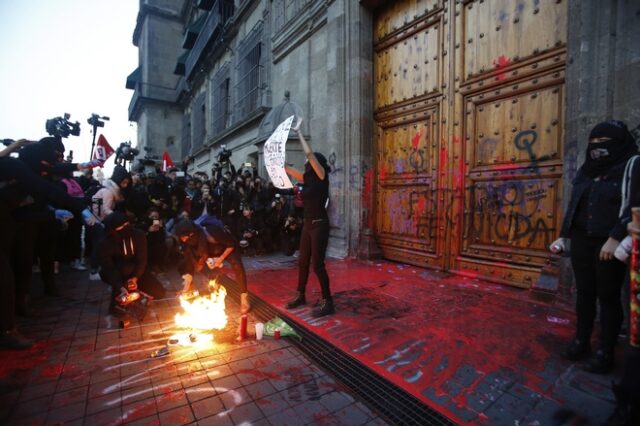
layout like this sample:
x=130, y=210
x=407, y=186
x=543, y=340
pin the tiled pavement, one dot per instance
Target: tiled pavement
x=476, y=352
x=83, y=371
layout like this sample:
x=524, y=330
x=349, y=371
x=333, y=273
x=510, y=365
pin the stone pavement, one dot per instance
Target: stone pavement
x=479, y=353
x=84, y=371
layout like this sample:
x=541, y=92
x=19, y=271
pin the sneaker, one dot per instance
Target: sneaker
x=94, y=275
x=78, y=266
x=577, y=350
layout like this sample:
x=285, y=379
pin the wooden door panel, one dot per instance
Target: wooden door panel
x=498, y=32
x=400, y=14
x=408, y=65
x=469, y=101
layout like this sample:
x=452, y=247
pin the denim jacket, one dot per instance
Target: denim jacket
x=604, y=204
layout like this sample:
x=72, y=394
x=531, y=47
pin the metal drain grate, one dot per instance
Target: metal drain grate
x=392, y=402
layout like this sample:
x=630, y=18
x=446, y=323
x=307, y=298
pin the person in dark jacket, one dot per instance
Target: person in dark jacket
x=592, y=224
x=17, y=184
x=122, y=256
x=211, y=245
x=314, y=238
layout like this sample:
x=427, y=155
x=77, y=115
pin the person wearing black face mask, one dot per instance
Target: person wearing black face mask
x=591, y=223
x=314, y=238
x=122, y=256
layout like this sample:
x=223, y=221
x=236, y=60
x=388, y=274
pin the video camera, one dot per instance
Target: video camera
x=125, y=152
x=224, y=155
x=61, y=127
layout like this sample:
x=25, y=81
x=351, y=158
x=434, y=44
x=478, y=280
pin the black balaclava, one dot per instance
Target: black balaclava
x=120, y=174
x=602, y=155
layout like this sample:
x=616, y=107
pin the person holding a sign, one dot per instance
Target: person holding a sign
x=315, y=230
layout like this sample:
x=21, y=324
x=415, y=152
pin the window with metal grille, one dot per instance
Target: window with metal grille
x=249, y=71
x=198, y=121
x=186, y=135
x=220, y=100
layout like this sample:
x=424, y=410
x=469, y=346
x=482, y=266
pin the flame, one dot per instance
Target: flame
x=201, y=315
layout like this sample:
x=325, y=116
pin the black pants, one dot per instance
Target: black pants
x=7, y=283
x=235, y=260
x=597, y=282
x=313, y=248
x=22, y=256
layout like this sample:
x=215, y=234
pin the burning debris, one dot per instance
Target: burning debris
x=202, y=314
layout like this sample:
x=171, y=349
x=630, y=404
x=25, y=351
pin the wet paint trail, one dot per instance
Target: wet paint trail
x=456, y=343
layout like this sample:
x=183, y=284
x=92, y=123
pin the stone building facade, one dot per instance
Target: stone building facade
x=211, y=71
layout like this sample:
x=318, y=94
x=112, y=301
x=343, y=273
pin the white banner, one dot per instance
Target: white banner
x=274, y=155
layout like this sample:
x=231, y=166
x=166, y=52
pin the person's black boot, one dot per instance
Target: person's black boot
x=325, y=308
x=299, y=300
x=12, y=339
x=577, y=350
x=23, y=306
x=600, y=363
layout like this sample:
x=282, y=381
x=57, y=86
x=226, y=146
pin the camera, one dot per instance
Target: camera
x=126, y=152
x=61, y=127
x=224, y=155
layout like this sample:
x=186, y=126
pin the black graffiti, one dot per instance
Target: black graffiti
x=523, y=143
x=510, y=227
x=416, y=160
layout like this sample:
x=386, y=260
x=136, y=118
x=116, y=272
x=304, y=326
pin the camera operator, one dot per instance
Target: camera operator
x=204, y=203
x=250, y=229
x=18, y=187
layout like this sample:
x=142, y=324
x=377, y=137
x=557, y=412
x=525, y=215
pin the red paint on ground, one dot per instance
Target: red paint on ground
x=261, y=374
x=424, y=330
x=52, y=371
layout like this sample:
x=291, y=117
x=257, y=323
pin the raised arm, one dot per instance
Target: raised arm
x=295, y=173
x=315, y=164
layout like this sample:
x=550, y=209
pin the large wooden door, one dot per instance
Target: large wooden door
x=469, y=113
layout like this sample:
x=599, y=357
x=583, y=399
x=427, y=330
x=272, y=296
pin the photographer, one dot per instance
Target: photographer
x=204, y=204
x=250, y=230
x=276, y=218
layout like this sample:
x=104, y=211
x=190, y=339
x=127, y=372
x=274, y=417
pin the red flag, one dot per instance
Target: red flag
x=167, y=162
x=103, y=150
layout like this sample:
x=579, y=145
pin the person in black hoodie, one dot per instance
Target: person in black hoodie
x=315, y=230
x=212, y=245
x=122, y=256
x=592, y=224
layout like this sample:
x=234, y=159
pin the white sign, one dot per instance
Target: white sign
x=274, y=153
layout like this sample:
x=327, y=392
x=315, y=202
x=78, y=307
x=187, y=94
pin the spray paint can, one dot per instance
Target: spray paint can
x=276, y=333
x=243, y=327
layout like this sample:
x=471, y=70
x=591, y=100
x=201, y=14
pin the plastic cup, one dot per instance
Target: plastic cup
x=259, y=330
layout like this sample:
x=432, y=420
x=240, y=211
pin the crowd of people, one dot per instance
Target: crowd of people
x=130, y=227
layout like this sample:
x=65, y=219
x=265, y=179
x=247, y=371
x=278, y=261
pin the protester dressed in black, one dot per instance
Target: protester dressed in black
x=592, y=224
x=211, y=245
x=314, y=238
x=122, y=256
